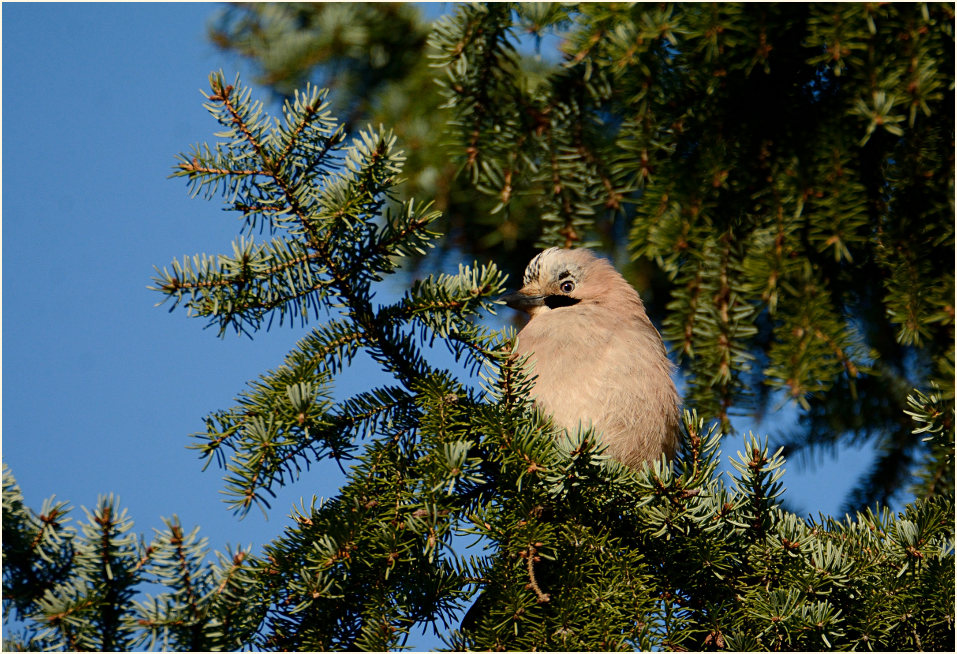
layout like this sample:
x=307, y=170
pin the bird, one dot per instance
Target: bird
x=597, y=359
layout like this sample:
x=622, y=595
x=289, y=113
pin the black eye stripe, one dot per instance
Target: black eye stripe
x=556, y=301
x=563, y=275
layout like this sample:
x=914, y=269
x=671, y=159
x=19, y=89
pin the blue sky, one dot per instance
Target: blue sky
x=101, y=388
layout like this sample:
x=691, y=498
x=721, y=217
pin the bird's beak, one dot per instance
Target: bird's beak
x=522, y=300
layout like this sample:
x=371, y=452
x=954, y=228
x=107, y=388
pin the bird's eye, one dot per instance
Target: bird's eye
x=567, y=287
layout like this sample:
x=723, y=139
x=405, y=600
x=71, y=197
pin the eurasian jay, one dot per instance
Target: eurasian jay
x=598, y=359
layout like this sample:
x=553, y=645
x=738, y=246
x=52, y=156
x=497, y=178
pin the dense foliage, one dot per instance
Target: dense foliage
x=789, y=171
x=782, y=174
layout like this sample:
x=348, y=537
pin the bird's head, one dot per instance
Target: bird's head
x=558, y=278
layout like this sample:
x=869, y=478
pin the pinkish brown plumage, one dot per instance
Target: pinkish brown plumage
x=598, y=359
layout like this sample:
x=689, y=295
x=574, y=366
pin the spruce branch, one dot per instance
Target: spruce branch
x=726, y=141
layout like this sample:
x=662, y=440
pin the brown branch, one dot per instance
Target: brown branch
x=183, y=564
x=362, y=310
x=309, y=112
x=46, y=521
x=238, y=559
x=56, y=618
x=531, y=556
x=194, y=167
x=224, y=97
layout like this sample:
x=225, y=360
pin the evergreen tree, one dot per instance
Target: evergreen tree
x=813, y=258
x=781, y=174
x=373, y=57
